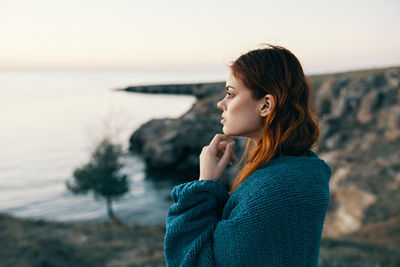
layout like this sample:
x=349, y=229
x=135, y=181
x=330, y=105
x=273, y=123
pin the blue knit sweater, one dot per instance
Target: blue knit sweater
x=274, y=218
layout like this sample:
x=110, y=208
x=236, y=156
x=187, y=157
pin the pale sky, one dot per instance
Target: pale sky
x=325, y=35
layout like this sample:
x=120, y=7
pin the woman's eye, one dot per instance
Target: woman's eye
x=229, y=94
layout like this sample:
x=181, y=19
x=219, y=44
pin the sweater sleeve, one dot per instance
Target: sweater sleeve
x=191, y=221
x=268, y=229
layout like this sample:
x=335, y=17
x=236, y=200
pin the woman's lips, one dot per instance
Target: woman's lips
x=223, y=120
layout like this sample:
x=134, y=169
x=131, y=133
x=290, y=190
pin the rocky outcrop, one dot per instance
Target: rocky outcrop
x=199, y=90
x=360, y=140
x=359, y=115
x=174, y=145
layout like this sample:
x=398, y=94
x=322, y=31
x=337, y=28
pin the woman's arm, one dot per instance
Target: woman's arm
x=191, y=221
x=197, y=207
x=277, y=226
x=196, y=235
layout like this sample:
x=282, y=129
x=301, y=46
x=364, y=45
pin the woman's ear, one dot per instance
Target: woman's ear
x=266, y=105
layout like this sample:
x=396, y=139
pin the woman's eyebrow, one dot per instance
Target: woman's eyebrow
x=226, y=87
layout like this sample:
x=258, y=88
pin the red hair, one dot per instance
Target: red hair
x=291, y=128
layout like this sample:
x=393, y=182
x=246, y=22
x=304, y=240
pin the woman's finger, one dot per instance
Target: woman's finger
x=221, y=150
x=225, y=159
x=219, y=138
x=222, y=145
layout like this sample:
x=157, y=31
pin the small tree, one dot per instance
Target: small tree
x=101, y=176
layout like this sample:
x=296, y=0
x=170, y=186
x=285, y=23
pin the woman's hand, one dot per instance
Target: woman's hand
x=216, y=156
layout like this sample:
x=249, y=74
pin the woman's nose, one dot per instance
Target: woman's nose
x=221, y=105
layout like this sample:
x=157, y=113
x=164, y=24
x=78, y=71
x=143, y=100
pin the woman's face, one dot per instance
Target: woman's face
x=242, y=115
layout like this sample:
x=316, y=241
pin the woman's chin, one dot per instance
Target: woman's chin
x=226, y=131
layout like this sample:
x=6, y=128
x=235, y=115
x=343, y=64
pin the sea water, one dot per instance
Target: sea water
x=52, y=119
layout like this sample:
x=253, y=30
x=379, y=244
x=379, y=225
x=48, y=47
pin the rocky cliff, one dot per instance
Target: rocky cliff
x=360, y=139
x=359, y=116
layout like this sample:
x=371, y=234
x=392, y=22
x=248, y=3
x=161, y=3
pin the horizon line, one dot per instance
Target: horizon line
x=179, y=67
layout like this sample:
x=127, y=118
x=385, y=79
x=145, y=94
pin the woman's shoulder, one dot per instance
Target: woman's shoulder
x=288, y=173
x=284, y=166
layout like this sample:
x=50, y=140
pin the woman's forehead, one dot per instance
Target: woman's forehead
x=233, y=83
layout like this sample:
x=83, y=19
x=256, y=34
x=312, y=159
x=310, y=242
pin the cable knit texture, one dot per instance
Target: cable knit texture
x=274, y=218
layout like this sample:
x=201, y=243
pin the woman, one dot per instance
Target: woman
x=275, y=211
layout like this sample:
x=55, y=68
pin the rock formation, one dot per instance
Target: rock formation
x=199, y=90
x=359, y=116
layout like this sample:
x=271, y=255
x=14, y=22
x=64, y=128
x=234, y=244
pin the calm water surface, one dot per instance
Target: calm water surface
x=51, y=120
